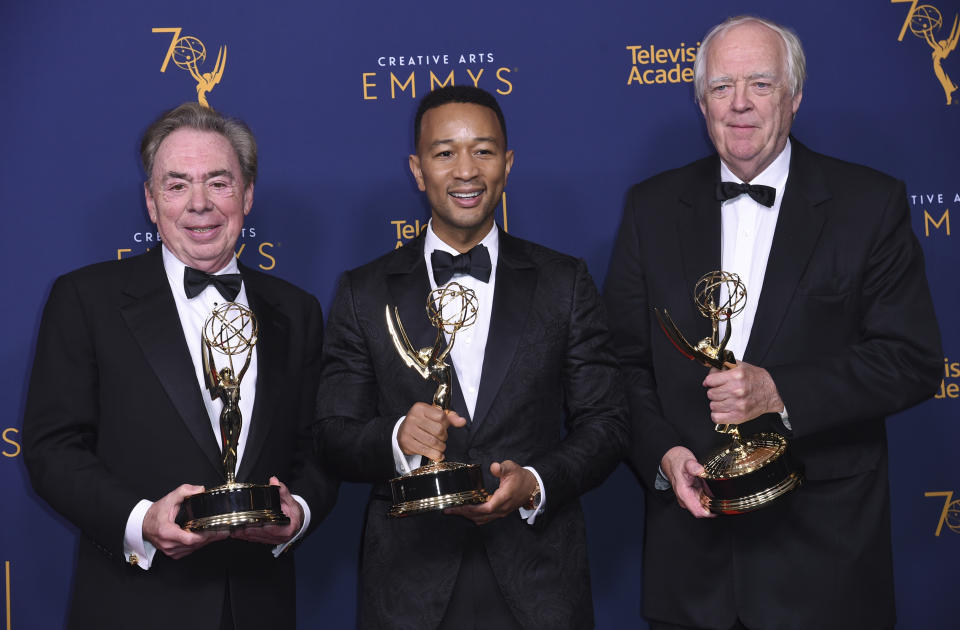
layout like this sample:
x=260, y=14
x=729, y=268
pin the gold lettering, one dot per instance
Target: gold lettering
x=946, y=507
x=634, y=75
x=273, y=261
x=409, y=231
x=927, y=220
x=435, y=82
x=906, y=22
x=11, y=441
x=504, y=81
x=395, y=83
x=240, y=251
x=173, y=44
x=121, y=252
x=633, y=53
x=367, y=85
x=476, y=79
x=398, y=223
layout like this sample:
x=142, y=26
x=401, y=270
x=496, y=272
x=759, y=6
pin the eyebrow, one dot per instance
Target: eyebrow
x=210, y=175
x=477, y=139
x=749, y=77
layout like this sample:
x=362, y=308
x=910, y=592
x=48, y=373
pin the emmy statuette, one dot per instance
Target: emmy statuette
x=231, y=330
x=748, y=473
x=438, y=484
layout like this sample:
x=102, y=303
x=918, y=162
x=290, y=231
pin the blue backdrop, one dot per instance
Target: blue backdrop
x=597, y=96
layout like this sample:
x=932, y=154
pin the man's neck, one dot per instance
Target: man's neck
x=461, y=240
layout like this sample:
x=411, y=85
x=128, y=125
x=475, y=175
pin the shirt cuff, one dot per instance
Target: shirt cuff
x=402, y=462
x=303, y=527
x=661, y=482
x=530, y=516
x=785, y=419
x=136, y=550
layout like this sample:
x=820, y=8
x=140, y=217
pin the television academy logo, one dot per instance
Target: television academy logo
x=189, y=53
x=924, y=21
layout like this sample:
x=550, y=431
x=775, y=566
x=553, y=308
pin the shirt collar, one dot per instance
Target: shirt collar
x=774, y=175
x=175, y=267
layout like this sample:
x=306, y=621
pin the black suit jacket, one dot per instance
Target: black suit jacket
x=846, y=328
x=114, y=415
x=550, y=397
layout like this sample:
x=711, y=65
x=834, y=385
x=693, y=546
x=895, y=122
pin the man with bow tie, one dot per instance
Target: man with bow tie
x=837, y=333
x=120, y=426
x=537, y=400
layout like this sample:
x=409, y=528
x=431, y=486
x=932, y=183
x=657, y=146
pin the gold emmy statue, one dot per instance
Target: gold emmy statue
x=750, y=472
x=231, y=330
x=438, y=484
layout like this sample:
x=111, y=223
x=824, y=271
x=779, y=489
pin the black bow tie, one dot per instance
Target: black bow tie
x=476, y=263
x=764, y=195
x=195, y=281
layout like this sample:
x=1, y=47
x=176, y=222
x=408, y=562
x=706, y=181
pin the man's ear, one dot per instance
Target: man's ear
x=414, y=161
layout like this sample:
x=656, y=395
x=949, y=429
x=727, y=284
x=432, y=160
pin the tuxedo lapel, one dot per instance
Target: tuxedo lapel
x=798, y=228
x=513, y=296
x=699, y=227
x=153, y=320
x=271, y=350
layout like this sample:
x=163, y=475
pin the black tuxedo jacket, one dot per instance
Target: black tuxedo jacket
x=846, y=328
x=550, y=397
x=114, y=414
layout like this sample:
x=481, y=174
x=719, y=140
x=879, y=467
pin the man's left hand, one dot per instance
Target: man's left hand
x=275, y=534
x=741, y=393
x=516, y=485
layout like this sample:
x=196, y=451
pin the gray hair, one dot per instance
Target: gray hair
x=796, y=61
x=201, y=118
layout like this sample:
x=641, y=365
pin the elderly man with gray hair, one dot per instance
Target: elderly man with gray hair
x=838, y=332
x=120, y=426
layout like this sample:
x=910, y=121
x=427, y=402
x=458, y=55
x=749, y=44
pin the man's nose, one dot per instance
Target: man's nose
x=465, y=166
x=741, y=97
x=199, y=199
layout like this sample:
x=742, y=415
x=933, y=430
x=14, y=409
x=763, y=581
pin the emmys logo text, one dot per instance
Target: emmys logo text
x=411, y=76
x=189, y=53
x=9, y=442
x=264, y=258
x=926, y=23
x=948, y=387
x=949, y=514
x=650, y=64
x=935, y=220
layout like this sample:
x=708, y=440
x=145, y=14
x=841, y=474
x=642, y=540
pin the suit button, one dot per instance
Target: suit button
x=473, y=453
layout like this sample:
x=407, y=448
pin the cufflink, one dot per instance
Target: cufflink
x=133, y=560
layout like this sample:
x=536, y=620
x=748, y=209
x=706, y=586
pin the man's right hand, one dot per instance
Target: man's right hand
x=683, y=472
x=424, y=430
x=160, y=528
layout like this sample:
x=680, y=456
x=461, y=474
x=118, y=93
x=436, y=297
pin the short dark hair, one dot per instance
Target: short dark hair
x=457, y=94
x=196, y=116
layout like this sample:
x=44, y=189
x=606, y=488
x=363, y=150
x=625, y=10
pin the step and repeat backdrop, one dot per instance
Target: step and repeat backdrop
x=597, y=96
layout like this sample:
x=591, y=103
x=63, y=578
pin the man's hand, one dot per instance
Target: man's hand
x=160, y=528
x=275, y=534
x=424, y=430
x=516, y=485
x=682, y=470
x=741, y=393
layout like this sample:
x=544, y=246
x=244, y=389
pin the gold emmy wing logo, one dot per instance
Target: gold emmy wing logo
x=950, y=515
x=924, y=20
x=188, y=53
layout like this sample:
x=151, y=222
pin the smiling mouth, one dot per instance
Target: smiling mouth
x=469, y=195
x=200, y=230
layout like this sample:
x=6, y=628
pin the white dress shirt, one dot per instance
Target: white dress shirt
x=746, y=236
x=468, y=348
x=193, y=314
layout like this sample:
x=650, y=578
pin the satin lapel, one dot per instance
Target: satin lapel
x=271, y=350
x=798, y=228
x=409, y=287
x=152, y=318
x=699, y=227
x=513, y=296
